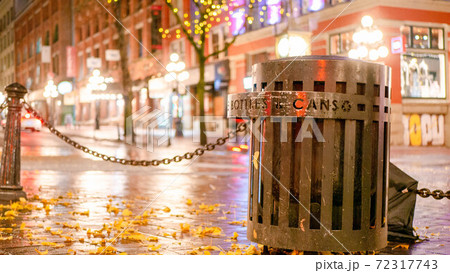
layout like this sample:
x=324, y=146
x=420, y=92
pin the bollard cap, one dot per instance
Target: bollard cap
x=16, y=90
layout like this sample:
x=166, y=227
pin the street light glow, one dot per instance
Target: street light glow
x=367, y=21
x=383, y=51
x=362, y=51
x=174, y=57
x=373, y=54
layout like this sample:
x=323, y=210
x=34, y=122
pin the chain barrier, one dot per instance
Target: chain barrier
x=437, y=194
x=3, y=106
x=155, y=162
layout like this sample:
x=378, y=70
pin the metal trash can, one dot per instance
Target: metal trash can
x=319, y=153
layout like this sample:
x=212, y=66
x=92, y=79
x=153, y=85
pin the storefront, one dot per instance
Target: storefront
x=418, y=56
x=424, y=85
x=183, y=104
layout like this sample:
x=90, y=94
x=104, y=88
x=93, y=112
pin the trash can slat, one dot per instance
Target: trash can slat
x=286, y=174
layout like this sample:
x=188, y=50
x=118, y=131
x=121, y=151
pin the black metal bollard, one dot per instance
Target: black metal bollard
x=10, y=188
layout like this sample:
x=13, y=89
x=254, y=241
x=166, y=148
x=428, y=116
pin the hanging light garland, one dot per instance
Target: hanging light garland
x=215, y=12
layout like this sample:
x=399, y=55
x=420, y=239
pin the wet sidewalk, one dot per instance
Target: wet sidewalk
x=198, y=207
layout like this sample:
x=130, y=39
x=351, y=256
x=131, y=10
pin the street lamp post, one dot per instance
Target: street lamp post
x=176, y=74
x=97, y=83
x=51, y=92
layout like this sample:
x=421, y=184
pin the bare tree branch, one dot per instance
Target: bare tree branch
x=225, y=48
x=179, y=21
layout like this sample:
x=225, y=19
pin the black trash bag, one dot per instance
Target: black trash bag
x=401, y=206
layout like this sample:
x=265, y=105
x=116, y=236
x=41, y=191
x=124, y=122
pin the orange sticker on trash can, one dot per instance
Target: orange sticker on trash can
x=300, y=104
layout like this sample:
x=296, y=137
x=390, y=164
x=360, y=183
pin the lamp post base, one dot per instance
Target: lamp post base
x=8, y=194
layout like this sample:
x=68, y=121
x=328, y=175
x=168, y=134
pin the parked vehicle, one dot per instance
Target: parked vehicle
x=31, y=123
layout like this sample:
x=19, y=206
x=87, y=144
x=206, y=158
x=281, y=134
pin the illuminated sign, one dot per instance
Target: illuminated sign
x=315, y=5
x=237, y=22
x=273, y=11
x=397, y=45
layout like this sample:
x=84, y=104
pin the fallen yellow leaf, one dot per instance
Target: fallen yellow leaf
x=126, y=213
x=166, y=209
x=185, y=227
x=188, y=202
x=11, y=213
x=235, y=236
x=154, y=247
x=41, y=252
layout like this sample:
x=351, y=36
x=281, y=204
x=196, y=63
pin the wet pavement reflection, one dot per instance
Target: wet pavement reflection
x=79, y=204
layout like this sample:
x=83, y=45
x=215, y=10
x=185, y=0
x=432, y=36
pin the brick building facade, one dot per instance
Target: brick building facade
x=420, y=77
x=40, y=24
x=7, y=67
x=95, y=33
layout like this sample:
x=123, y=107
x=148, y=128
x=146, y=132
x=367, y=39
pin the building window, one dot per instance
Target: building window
x=30, y=25
x=127, y=8
x=139, y=5
x=177, y=46
x=155, y=26
x=106, y=20
x=38, y=45
x=423, y=75
x=56, y=34
x=423, y=37
x=140, y=41
x=47, y=38
x=55, y=64
x=30, y=51
x=423, y=64
x=218, y=37
x=79, y=34
x=179, y=5
x=341, y=43
x=96, y=26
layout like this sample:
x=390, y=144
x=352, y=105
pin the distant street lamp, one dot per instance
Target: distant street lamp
x=368, y=41
x=97, y=83
x=176, y=74
x=50, y=93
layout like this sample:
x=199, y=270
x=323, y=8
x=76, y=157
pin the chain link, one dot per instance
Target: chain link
x=437, y=194
x=241, y=127
x=4, y=105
